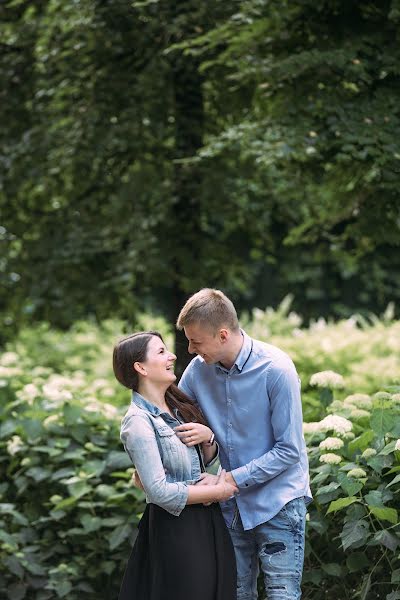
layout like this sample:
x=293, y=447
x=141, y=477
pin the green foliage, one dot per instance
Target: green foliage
x=354, y=522
x=152, y=148
x=68, y=512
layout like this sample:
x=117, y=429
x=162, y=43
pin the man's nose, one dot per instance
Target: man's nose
x=191, y=349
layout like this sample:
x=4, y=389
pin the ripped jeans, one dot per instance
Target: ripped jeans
x=278, y=546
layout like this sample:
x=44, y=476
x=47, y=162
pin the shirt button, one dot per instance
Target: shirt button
x=230, y=424
x=229, y=401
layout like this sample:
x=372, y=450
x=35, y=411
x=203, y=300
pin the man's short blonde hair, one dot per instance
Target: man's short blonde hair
x=209, y=308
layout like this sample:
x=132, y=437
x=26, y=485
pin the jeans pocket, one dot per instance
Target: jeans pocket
x=295, y=512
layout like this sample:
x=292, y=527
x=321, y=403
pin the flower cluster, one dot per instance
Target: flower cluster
x=327, y=379
x=330, y=458
x=331, y=443
x=357, y=473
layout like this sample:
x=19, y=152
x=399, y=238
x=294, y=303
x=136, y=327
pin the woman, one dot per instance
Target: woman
x=183, y=549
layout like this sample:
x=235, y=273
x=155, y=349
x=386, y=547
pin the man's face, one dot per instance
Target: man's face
x=210, y=346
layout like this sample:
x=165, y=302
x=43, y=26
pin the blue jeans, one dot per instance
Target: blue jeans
x=279, y=547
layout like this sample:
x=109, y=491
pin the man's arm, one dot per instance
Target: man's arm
x=283, y=388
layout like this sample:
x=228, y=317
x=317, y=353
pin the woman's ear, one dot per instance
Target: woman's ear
x=137, y=366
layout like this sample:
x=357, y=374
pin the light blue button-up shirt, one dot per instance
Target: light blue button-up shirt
x=255, y=411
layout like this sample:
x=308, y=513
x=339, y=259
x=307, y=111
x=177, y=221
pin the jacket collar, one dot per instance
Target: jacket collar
x=148, y=406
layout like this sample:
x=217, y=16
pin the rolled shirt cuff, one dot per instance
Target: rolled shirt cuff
x=242, y=477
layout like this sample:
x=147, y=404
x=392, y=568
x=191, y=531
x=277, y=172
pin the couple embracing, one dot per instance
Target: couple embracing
x=204, y=536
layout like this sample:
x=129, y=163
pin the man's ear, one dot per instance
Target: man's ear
x=223, y=335
x=139, y=368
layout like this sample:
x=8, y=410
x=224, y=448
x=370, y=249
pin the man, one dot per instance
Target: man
x=249, y=392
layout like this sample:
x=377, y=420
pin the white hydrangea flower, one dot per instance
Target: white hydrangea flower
x=331, y=443
x=55, y=394
x=339, y=425
x=328, y=379
x=368, y=452
x=108, y=410
x=14, y=445
x=9, y=371
x=357, y=473
x=28, y=393
x=9, y=358
x=359, y=400
x=396, y=398
x=99, y=383
x=312, y=427
x=349, y=436
x=330, y=458
x=359, y=413
x=397, y=445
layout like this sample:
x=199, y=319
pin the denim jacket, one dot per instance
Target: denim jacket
x=166, y=466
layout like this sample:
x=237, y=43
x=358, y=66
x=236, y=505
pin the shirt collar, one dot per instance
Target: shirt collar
x=243, y=355
x=245, y=351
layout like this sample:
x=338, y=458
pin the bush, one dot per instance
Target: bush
x=68, y=513
x=353, y=528
x=67, y=510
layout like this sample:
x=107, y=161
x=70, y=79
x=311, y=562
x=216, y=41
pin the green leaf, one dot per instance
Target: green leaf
x=33, y=428
x=385, y=538
x=395, y=480
x=361, y=442
x=393, y=596
x=38, y=473
x=327, y=488
x=382, y=421
x=341, y=503
x=17, y=591
x=72, y=413
x=119, y=535
x=349, y=485
x=395, y=576
x=379, y=462
x=386, y=514
x=90, y=523
x=354, y=534
x=374, y=498
x=389, y=448
x=357, y=561
x=118, y=460
x=63, y=588
x=333, y=569
x=14, y=566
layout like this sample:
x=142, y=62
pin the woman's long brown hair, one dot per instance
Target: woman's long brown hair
x=133, y=348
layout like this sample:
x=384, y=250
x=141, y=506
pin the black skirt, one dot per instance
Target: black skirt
x=181, y=558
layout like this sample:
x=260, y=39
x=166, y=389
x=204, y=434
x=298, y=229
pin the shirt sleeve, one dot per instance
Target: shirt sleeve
x=186, y=382
x=283, y=390
x=140, y=443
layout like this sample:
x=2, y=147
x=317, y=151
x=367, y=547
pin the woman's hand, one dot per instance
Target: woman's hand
x=224, y=489
x=193, y=433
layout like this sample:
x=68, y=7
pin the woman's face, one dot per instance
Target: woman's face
x=159, y=363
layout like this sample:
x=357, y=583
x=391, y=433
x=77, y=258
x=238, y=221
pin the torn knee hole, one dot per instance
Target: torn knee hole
x=274, y=547
x=276, y=587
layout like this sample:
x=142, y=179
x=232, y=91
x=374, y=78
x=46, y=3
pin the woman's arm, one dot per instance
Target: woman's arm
x=140, y=443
